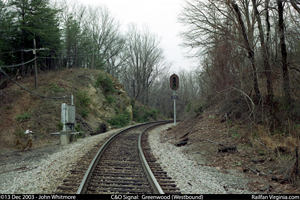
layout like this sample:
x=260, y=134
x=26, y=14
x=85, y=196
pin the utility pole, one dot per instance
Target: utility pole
x=35, y=62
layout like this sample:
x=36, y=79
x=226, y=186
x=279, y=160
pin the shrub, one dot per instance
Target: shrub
x=146, y=114
x=120, y=120
x=82, y=101
x=110, y=99
x=84, y=112
x=152, y=113
x=102, y=128
x=78, y=128
x=135, y=113
x=24, y=117
x=20, y=132
x=132, y=102
x=198, y=109
x=106, y=83
x=55, y=88
x=188, y=107
x=59, y=125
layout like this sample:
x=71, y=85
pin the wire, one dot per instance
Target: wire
x=31, y=91
x=12, y=66
x=10, y=51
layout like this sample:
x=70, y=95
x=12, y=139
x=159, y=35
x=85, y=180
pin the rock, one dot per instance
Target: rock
x=227, y=149
x=258, y=161
x=181, y=142
x=274, y=178
x=265, y=188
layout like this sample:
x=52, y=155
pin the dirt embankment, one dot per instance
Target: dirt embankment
x=22, y=111
x=206, y=139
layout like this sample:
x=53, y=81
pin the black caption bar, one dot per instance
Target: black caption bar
x=148, y=196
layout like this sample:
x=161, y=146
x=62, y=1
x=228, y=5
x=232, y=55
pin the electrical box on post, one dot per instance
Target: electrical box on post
x=67, y=114
x=174, y=82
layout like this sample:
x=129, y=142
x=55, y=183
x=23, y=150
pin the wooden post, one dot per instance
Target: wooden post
x=297, y=162
x=35, y=62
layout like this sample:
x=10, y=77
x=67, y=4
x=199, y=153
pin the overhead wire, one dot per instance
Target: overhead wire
x=12, y=66
x=10, y=52
x=42, y=96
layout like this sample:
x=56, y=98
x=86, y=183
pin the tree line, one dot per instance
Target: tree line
x=72, y=35
x=248, y=52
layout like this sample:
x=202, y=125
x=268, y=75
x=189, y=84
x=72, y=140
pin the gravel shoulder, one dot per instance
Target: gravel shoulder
x=191, y=176
x=41, y=170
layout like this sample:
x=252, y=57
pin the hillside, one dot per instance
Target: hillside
x=98, y=98
x=267, y=161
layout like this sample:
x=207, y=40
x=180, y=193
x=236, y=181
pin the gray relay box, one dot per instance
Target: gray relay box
x=67, y=114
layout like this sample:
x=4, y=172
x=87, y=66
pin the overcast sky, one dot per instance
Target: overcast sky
x=160, y=16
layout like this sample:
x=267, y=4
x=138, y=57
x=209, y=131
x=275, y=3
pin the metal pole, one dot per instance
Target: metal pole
x=174, y=93
x=72, y=100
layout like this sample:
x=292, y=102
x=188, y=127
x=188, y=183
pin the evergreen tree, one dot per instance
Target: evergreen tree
x=5, y=35
x=35, y=19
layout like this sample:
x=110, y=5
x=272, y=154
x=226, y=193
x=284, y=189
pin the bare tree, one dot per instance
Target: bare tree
x=286, y=79
x=264, y=47
x=108, y=42
x=248, y=47
x=144, y=62
x=217, y=29
x=295, y=4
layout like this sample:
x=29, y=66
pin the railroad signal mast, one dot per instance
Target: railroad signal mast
x=174, y=84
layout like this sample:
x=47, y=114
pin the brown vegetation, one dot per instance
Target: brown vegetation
x=21, y=111
x=249, y=72
x=268, y=162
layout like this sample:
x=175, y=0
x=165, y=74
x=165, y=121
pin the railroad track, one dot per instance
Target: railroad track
x=121, y=166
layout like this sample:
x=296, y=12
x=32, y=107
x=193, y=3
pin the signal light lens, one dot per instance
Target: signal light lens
x=174, y=82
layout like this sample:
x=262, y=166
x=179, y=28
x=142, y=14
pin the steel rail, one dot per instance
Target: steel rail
x=84, y=183
x=153, y=182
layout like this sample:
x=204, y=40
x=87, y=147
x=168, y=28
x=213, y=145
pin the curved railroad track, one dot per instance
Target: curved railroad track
x=121, y=166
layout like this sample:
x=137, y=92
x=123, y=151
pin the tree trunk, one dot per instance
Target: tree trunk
x=23, y=42
x=286, y=79
x=267, y=67
x=249, y=50
x=265, y=52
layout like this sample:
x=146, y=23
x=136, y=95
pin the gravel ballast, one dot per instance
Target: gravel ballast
x=189, y=176
x=41, y=171
x=32, y=173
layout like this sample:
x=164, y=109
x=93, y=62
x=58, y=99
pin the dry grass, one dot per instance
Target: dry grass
x=45, y=113
x=273, y=141
x=283, y=151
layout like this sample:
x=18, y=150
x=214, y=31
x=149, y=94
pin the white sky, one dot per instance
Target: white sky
x=160, y=16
